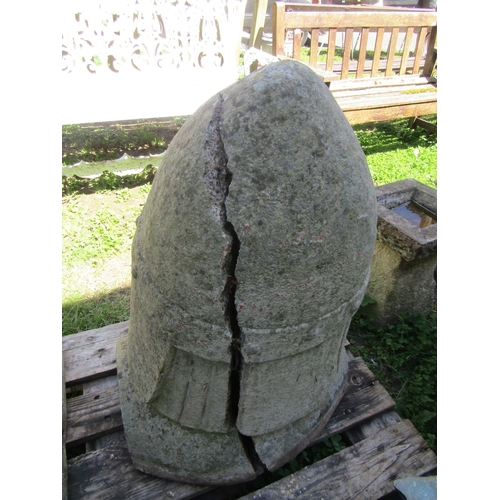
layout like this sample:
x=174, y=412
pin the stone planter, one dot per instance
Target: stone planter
x=403, y=276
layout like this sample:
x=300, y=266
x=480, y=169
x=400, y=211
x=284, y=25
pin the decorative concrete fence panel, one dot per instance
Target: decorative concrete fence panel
x=132, y=59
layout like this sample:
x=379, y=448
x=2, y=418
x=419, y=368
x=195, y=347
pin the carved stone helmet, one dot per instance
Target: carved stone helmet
x=251, y=255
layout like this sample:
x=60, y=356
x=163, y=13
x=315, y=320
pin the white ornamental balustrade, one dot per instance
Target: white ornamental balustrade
x=131, y=59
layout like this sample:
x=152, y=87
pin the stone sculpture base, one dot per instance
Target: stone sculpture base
x=163, y=448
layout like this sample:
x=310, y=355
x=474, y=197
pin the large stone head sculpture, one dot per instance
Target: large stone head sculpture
x=251, y=255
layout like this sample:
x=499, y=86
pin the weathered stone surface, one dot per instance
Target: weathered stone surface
x=405, y=260
x=250, y=257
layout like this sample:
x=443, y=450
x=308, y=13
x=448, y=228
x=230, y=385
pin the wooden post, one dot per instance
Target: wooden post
x=431, y=58
x=258, y=21
x=278, y=29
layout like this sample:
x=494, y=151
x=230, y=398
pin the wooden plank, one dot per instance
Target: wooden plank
x=364, y=471
x=419, y=49
x=373, y=426
x=330, y=54
x=391, y=52
x=364, y=399
x=383, y=99
x=406, y=50
x=362, y=52
x=390, y=112
x=297, y=43
x=313, y=59
x=418, y=122
x=339, y=19
x=292, y=6
x=383, y=82
x=103, y=441
x=258, y=22
x=89, y=355
x=396, y=95
x=347, y=54
x=278, y=29
x=93, y=415
x=431, y=58
x=109, y=474
x=377, y=51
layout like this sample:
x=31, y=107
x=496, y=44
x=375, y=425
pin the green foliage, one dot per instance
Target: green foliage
x=107, y=181
x=123, y=164
x=92, y=238
x=395, y=152
x=305, y=53
x=96, y=143
x=97, y=311
x=403, y=356
x=97, y=236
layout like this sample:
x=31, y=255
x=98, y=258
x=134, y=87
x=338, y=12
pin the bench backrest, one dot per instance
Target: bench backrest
x=410, y=47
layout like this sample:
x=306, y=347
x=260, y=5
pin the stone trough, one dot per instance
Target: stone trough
x=404, y=269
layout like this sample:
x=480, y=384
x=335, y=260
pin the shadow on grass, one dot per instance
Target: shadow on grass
x=80, y=315
x=381, y=137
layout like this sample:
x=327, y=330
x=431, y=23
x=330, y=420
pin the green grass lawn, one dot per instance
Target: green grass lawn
x=97, y=234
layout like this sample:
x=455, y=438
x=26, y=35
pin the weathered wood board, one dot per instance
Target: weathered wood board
x=363, y=471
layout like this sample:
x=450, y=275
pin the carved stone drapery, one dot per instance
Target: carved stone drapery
x=117, y=36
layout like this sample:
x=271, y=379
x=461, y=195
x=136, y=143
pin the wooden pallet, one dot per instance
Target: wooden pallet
x=383, y=446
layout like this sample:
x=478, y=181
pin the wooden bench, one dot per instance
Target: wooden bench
x=394, y=79
x=381, y=446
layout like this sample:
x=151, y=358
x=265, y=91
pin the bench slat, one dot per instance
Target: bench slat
x=382, y=99
x=108, y=474
x=382, y=82
x=324, y=20
x=362, y=52
x=330, y=55
x=90, y=355
x=391, y=52
x=390, y=112
x=419, y=49
x=364, y=395
x=94, y=414
x=378, y=50
x=313, y=60
x=406, y=50
x=347, y=54
x=430, y=60
x=297, y=43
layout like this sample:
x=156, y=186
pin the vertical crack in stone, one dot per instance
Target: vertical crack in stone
x=217, y=180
